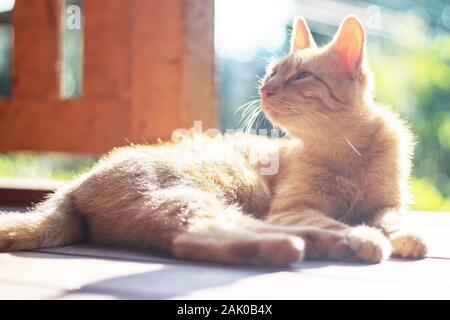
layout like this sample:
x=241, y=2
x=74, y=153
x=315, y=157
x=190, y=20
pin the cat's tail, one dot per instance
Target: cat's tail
x=52, y=223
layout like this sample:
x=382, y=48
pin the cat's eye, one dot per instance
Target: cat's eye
x=301, y=75
x=272, y=74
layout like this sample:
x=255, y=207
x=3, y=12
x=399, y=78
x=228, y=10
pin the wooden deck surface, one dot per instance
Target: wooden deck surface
x=93, y=272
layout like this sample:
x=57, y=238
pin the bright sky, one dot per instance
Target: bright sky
x=6, y=5
x=243, y=26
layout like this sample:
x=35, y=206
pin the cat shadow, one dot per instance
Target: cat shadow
x=169, y=282
x=180, y=280
x=183, y=278
x=176, y=278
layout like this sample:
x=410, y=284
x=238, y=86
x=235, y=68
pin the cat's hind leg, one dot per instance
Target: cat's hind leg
x=239, y=246
x=188, y=223
x=241, y=238
x=349, y=244
x=197, y=225
x=214, y=232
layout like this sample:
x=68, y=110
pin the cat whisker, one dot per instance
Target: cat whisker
x=246, y=105
x=249, y=111
x=246, y=113
x=249, y=124
x=272, y=58
x=249, y=117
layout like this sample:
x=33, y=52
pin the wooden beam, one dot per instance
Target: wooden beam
x=107, y=49
x=173, y=67
x=36, y=54
x=157, y=68
x=88, y=126
x=148, y=70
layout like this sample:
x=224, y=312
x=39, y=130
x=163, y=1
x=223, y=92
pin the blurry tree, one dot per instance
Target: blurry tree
x=412, y=71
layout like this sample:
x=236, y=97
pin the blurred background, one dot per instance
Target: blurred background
x=409, y=51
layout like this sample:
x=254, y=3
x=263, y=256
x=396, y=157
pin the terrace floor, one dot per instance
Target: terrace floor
x=93, y=272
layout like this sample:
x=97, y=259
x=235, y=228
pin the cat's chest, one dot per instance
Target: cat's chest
x=342, y=196
x=341, y=193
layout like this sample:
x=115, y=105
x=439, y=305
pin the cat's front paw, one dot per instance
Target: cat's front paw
x=356, y=243
x=368, y=244
x=407, y=244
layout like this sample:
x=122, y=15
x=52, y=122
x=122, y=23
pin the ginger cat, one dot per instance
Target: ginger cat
x=340, y=191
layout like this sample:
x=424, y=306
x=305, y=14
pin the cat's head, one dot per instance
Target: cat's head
x=312, y=84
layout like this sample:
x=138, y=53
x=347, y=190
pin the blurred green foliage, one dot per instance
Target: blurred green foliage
x=31, y=165
x=427, y=197
x=412, y=72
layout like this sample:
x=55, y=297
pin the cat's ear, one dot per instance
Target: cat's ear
x=348, y=44
x=301, y=36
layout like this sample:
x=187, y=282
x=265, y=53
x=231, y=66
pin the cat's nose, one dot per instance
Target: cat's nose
x=267, y=91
